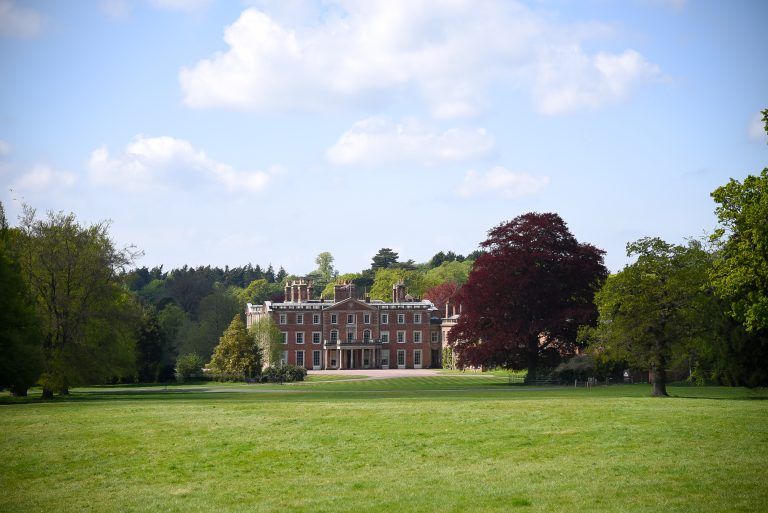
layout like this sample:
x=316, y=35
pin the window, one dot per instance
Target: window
x=416, y=337
x=401, y=318
x=299, y=318
x=385, y=318
x=285, y=336
x=299, y=358
x=315, y=318
x=366, y=318
x=315, y=358
x=401, y=337
x=367, y=336
x=385, y=337
x=385, y=358
x=299, y=337
x=350, y=318
x=417, y=318
x=284, y=358
x=417, y=358
x=283, y=319
x=401, y=358
x=350, y=336
x=334, y=336
x=435, y=336
x=334, y=319
x=316, y=337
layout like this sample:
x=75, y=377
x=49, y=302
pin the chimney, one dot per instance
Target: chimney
x=287, y=293
x=446, y=309
x=398, y=292
x=367, y=298
x=342, y=291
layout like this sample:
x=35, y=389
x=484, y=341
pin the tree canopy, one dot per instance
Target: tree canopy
x=527, y=294
x=238, y=355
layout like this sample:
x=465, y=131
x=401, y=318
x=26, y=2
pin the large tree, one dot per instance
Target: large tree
x=383, y=259
x=88, y=318
x=657, y=309
x=527, y=294
x=740, y=274
x=238, y=354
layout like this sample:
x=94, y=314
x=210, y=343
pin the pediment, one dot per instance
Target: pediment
x=350, y=304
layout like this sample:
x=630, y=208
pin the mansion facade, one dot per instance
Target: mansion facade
x=350, y=333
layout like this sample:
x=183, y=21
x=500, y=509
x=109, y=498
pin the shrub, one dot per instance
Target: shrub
x=188, y=366
x=283, y=373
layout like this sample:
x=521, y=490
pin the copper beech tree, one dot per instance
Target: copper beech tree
x=527, y=294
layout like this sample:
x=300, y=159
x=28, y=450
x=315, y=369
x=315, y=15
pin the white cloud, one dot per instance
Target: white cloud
x=116, y=9
x=502, y=182
x=164, y=162
x=378, y=140
x=5, y=148
x=18, y=21
x=45, y=178
x=450, y=53
x=757, y=128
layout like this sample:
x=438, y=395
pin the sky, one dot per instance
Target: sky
x=228, y=132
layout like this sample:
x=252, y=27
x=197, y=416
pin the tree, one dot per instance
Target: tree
x=385, y=278
x=441, y=295
x=154, y=352
x=328, y=291
x=269, y=339
x=88, y=318
x=20, y=334
x=527, y=294
x=656, y=309
x=237, y=354
x=324, y=263
x=449, y=271
x=384, y=258
x=188, y=365
x=256, y=292
x=216, y=311
x=740, y=273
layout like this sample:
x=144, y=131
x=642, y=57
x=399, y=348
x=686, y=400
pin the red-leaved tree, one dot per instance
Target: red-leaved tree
x=527, y=294
x=442, y=294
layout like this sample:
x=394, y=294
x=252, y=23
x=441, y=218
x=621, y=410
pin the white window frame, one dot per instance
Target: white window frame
x=366, y=335
x=334, y=319
x=334, y=336
x=317, y=357
x=350, y=318
x=384, y=337
x=315, y=318
x=385, y=358
x=299, y=353
x=284, y=358
x=401, y=356
x=317, y=335
x=299, y=318
x=384, y=318
x=401, y=338
x=417, y=318
x=366, y=318
x=350, y=337
x=417, y=356
x=285, y=336
x=401, y=318
x=417, y=337
x=435, y=336
x=283, y=319
x=300, y=337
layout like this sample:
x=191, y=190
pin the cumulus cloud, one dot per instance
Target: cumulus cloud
x=502, y=182
x=163, y=162
x=43, y=177
x=18, y=21
x=379, y=140
x=756, y=129
x=450, y=53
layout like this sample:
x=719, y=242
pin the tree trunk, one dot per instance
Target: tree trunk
x=532, y=360
x=64, y=390
x=659, y=377
x=47, y=393
x=19, y=391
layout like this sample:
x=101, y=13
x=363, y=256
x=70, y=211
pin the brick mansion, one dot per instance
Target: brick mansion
x=352, y=333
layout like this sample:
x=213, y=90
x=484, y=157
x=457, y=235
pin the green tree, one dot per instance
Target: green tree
x=238, y=353
x=215, y=312
x=384, y=258
x=269, y=339
x=385, y=278
x=324, y=263
x=448, y=272
x=88, y=318
x=188, y=365
x=154, y=350
x=651, y=312
x=256, y=292
x=327, y=292
x=20, y=335
x=740, y=273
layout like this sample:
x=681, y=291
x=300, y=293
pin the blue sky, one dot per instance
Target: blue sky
x=231, y=132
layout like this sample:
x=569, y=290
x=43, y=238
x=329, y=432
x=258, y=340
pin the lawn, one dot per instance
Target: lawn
x=444, y=443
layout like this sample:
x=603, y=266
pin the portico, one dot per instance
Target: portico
x=352, y=355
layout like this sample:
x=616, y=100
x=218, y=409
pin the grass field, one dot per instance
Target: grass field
x=444, y=443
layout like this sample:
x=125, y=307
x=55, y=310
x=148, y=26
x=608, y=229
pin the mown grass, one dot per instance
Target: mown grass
x=445, y=443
